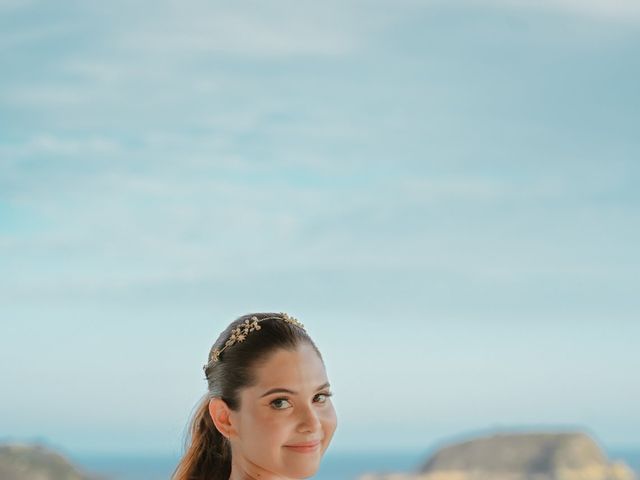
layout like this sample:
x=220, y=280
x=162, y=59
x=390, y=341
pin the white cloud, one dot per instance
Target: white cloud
x=253, y=28
x=38, y=96
x=114, y=227
x=236, y=33
x=11, y=38
x=616, y=10
x=54, y=145
x=8, y=5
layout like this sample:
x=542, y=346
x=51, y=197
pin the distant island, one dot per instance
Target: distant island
x=518, y=456
x=36, y=462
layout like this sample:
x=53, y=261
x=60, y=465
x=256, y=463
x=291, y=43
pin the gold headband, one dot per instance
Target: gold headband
x=239, y=333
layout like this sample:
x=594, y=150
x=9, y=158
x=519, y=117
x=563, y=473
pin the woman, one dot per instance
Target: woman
x=268, y=413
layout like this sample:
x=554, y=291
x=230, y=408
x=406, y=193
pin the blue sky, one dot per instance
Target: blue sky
x=443, y=192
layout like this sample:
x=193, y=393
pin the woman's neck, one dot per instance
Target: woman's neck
x=241, y=471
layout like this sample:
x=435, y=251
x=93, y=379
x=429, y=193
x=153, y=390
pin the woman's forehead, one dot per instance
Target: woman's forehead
x=298, y=369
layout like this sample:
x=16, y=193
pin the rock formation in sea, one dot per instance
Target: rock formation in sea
x=518, y=456
x=35, y=462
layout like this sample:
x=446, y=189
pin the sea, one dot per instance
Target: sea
x=334, y=466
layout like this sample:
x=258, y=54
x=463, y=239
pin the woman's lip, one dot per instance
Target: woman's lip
x=304, y=447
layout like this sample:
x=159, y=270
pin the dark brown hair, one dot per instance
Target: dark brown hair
x=207, y=452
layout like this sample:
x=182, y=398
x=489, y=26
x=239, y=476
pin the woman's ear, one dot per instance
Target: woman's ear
x=221, y=416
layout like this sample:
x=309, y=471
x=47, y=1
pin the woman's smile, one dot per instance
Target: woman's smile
x=305, y=447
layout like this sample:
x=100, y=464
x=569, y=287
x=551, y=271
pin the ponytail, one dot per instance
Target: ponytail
x=207, y=452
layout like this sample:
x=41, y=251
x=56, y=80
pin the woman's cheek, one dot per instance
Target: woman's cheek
x=274, y=419
x=265, y=420
x=331, y=414
x=329, y=419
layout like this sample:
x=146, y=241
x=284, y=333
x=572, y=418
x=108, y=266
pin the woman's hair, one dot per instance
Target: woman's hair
x=207, y=452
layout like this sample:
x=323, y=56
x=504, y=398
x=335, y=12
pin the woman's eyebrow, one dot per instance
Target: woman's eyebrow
x=286, y=390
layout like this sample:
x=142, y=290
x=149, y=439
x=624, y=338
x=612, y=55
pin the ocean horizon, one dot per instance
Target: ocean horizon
x=335, y=465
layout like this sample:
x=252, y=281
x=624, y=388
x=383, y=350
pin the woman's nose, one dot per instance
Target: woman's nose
x=309, y=420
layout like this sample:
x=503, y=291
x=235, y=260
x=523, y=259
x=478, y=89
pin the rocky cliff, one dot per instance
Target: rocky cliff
x=523, y=456
x=34, y=462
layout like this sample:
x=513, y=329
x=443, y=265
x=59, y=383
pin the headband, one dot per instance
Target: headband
x=239, y=333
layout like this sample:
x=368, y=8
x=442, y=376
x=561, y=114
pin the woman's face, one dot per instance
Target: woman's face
x=289, y=405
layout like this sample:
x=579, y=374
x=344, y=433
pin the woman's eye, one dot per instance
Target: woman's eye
x=277, y=400
x=277, y=403
x=325, y=395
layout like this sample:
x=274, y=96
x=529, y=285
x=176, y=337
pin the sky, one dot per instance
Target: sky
x=444, y=193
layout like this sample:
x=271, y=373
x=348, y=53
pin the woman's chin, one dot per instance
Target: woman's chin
x=303, y=471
